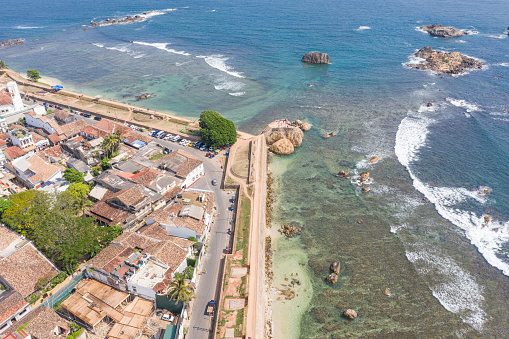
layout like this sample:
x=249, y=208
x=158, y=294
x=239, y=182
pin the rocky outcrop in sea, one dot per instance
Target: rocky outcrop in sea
x=282, y=136
x=444, y=62
x=12, y=42
x=316, y=58
x=443, y=32
x=126, y=20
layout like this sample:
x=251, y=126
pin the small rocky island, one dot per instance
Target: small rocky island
x=316, y=58
x=283, y=136
x=442, y=32
x=11, y=42
x=126, y=20
x=444, y=62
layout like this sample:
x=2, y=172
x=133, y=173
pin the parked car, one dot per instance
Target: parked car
x=231, y=208
x=214, y=182
x=191, y=144
x=203, y=148
x=98, y=118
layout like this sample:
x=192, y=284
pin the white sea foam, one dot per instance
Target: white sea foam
x=460, y=293
x=161, y=46
x=498, y=36
x=224, y=84
x=461, y=41
x=503, y=64
x=362, y=28
x=217, y=61
x=472, y=31
x=28, y=27
x=178, y=64
x=413, y=60
x=150, y=14
x=98, y=45
x=237, y=94
x=418, y=29
x=425, y=108
x=463, y=103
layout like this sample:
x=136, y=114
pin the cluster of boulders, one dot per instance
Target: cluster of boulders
x=442, y=32
x=290, y=230
x=445, y=62
x=342, y=174
x=126, y=20
x=283, y=140
x=12, y=42
x=143, y=96
x=334, y=272
x=364, y=179
x=269, y=201
x=316, y=58
x=288, y=293
x=328, y=135
x=268, y=258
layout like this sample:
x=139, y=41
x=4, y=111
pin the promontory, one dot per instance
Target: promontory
x=445, y=62
x=316, y=58
x=442, y=32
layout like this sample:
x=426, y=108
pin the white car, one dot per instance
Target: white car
x=167, y=137
x=176, y=138
x=182, y=141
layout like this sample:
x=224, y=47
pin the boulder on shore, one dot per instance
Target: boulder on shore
x=316, y=58
x=282, y=146
x=444, y=62
x=350, y=314
x=305, y=126
x=442, y=32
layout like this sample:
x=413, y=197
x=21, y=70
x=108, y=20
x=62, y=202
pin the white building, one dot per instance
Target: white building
x=21, y=138
x=12, y=106
x=183, y=165
x=33, y=171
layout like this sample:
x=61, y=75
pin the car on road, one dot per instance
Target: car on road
x=86, y=115
x=191, y=144
x=176, y=138
x=210, y=307
x=231, y=208
x=203, y=148
x=98, y=118
x=214, y=182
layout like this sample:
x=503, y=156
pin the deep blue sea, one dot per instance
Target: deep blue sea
x=435, y=224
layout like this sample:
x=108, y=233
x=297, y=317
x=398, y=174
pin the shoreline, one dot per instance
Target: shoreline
x=110, y=109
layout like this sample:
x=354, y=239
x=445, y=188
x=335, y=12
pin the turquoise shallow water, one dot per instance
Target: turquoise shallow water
x=447, y=269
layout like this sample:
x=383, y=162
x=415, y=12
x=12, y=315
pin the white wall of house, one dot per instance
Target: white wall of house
x=12, y=87
x=16, y=317
x=38, y=123
x=194, y=175
x=22, y=142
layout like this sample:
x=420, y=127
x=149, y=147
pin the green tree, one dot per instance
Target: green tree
x=33, y=74
x=111, y=144
x=27, y=207
x=179, y=290
x=78, y=192
x=3, y=65
x=72, y=175
x=4, y=205
x=105, y=163
x=216, y=130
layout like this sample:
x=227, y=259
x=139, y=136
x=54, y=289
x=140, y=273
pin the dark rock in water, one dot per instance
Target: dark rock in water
x=429, y=104
x=443, y=32
x=335, y=267
x=12, y=42
x=448, y=63
x=332, y=278
x=316, y=58
x=126, y=20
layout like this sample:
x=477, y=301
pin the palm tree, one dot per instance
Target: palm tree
x=179, y=290
x=111, y=143
x=3, y=65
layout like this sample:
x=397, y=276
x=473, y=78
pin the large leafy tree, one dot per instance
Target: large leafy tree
x=33, y=74
x=3, y=65
x=27, y=209
x=78, y=192
x=215, y=130
x=4, y=205
x=72, y=175
x=180, y=290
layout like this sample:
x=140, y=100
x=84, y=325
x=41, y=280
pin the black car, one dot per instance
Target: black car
x=98, y=118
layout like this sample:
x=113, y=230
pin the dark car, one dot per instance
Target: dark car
x=214, y=182
x=98, y=118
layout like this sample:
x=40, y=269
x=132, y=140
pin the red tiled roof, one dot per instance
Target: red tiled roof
x=5, y=98
x=73, y=128
x=43, y=171
x=3, y=136
x=145, y=177
x=10, y=305
x=25, y=267
x=126, y=175
x=54, y=151
x=108, y=214
x=183, y=168
x=111, y=127
x=95, y=132
x=7, y=236
x=36, y=137
x=54, y=138
x=14, y=152
x=3, y=142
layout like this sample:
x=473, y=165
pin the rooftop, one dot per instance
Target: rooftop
x=179, y=162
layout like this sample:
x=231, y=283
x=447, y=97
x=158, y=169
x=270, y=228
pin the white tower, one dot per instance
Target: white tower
x=12, y=87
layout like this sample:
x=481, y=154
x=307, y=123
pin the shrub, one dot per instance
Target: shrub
x=191, y=262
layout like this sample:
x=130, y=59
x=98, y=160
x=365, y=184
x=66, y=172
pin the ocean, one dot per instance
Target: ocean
x=434, y=227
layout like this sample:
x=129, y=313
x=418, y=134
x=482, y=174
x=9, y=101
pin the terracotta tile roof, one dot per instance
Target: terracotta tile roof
x=179, y=162
x=61, y=115
x=54, y=138
x=43, y=171
x=73, y=128
x=169, y=253
x=129, y=197
x=13, y=127
x=155, y=231
x=111, y=127
x=7, y=236
x=3, y=136
x=146, y=177
x=140, y=136
x=25, y=267
x=105, y=256
x=117, y=260
x=5, y=98
x=55, y=126
x=172, y=193
x=191, y=223
x=95, y=132
x=10, y=305
x=36, y=137
x=108, y=214
x=55, y=151
x=126, y=175
x=31, y=113
x=45, y=322
x=14, y=152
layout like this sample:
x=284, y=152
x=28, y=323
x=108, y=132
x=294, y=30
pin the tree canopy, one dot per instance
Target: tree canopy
x=180, y=290
x=33, y=74
x=72, y=175
x=50, y=220
x=216, y=130
x=3, y=65
x=111, y=144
